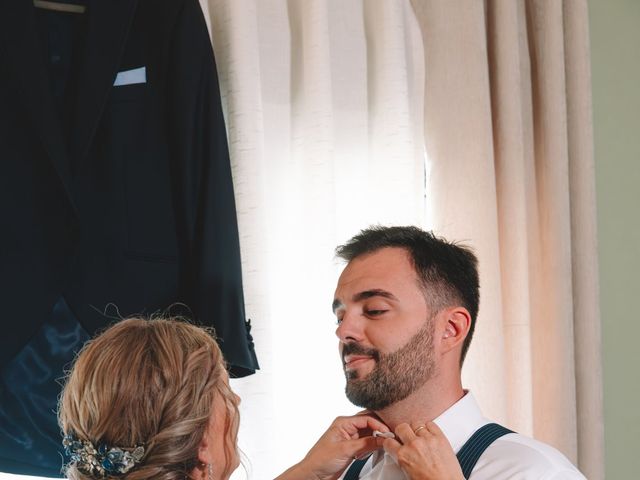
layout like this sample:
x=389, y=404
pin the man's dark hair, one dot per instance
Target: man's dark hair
x=448, y=273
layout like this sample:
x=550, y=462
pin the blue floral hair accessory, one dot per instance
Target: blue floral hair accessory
x=102, y=461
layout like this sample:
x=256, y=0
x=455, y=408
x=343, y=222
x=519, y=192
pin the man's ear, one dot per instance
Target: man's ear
x=456, y=327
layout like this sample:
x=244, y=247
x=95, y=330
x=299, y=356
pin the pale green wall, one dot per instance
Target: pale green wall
x=615, y=63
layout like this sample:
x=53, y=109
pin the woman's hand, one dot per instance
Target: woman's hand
x=347, y=438
x=423, y=453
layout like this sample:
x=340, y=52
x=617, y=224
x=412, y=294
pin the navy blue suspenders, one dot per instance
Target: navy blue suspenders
x=354, y=470
x=468, y=455
x=470, y=452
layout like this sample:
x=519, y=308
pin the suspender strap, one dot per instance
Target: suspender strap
x=354, y=470
x=470, y=452
x=468, y=455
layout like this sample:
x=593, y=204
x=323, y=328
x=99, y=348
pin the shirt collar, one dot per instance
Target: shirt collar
x=461, y=420
x=458, y=423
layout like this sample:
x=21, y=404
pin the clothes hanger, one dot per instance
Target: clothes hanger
x=59, y=6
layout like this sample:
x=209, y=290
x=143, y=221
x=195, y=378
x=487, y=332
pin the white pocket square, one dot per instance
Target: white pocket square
x=130, y=77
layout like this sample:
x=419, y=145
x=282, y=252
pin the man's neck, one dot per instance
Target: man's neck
x=422, y=406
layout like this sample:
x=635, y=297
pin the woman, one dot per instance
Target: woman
x=151, y=399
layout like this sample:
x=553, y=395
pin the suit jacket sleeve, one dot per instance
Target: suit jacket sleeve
x=211, y=282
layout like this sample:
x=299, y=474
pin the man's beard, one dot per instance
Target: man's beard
x=396, y=375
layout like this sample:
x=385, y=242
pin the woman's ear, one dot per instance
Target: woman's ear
x=456, y=328
x=204, y=455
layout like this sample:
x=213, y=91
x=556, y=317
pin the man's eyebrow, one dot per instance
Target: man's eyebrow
x=375, y=292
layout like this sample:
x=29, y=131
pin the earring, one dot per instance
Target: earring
x=209, y=471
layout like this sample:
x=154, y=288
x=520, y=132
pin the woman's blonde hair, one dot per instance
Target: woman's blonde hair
x=150, y=382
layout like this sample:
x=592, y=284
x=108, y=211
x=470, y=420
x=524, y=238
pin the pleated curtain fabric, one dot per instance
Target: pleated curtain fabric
x=508, y=103
x=466, y=116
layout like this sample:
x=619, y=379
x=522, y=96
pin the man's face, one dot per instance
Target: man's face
x=384, y=327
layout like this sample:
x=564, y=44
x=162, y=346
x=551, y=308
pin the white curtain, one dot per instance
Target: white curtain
x=468, y=117
x=508, y=127
x=324, y=107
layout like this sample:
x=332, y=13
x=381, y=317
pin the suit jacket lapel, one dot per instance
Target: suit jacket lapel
x=25, y=58
x=109, y=23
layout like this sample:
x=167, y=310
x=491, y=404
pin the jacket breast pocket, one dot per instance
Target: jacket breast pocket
x=128, y=93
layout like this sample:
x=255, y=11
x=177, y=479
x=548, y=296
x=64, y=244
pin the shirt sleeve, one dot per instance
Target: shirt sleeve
x=567, y=474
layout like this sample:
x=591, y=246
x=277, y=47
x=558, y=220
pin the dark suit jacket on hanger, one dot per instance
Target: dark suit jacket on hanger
x=136, y=207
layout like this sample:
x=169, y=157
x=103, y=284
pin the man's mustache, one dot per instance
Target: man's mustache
x=357, y=349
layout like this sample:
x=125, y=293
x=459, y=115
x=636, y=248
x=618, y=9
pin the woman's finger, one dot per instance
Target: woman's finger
x=363, y=422
x=405, y=433
x=434, y=429
x=391, y=447
x=360, y=447
x=418, y=428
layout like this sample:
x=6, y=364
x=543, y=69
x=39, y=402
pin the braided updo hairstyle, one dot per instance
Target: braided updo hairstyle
x=152, y=383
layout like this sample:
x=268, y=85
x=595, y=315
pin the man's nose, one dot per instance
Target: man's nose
x=350, y=328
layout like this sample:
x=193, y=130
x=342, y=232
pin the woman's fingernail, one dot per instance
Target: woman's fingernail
x=376, y=433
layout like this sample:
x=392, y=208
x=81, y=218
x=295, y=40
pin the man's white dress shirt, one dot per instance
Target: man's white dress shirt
x=512, y=456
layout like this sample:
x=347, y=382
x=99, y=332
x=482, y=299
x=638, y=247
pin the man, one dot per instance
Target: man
x=406, y=305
